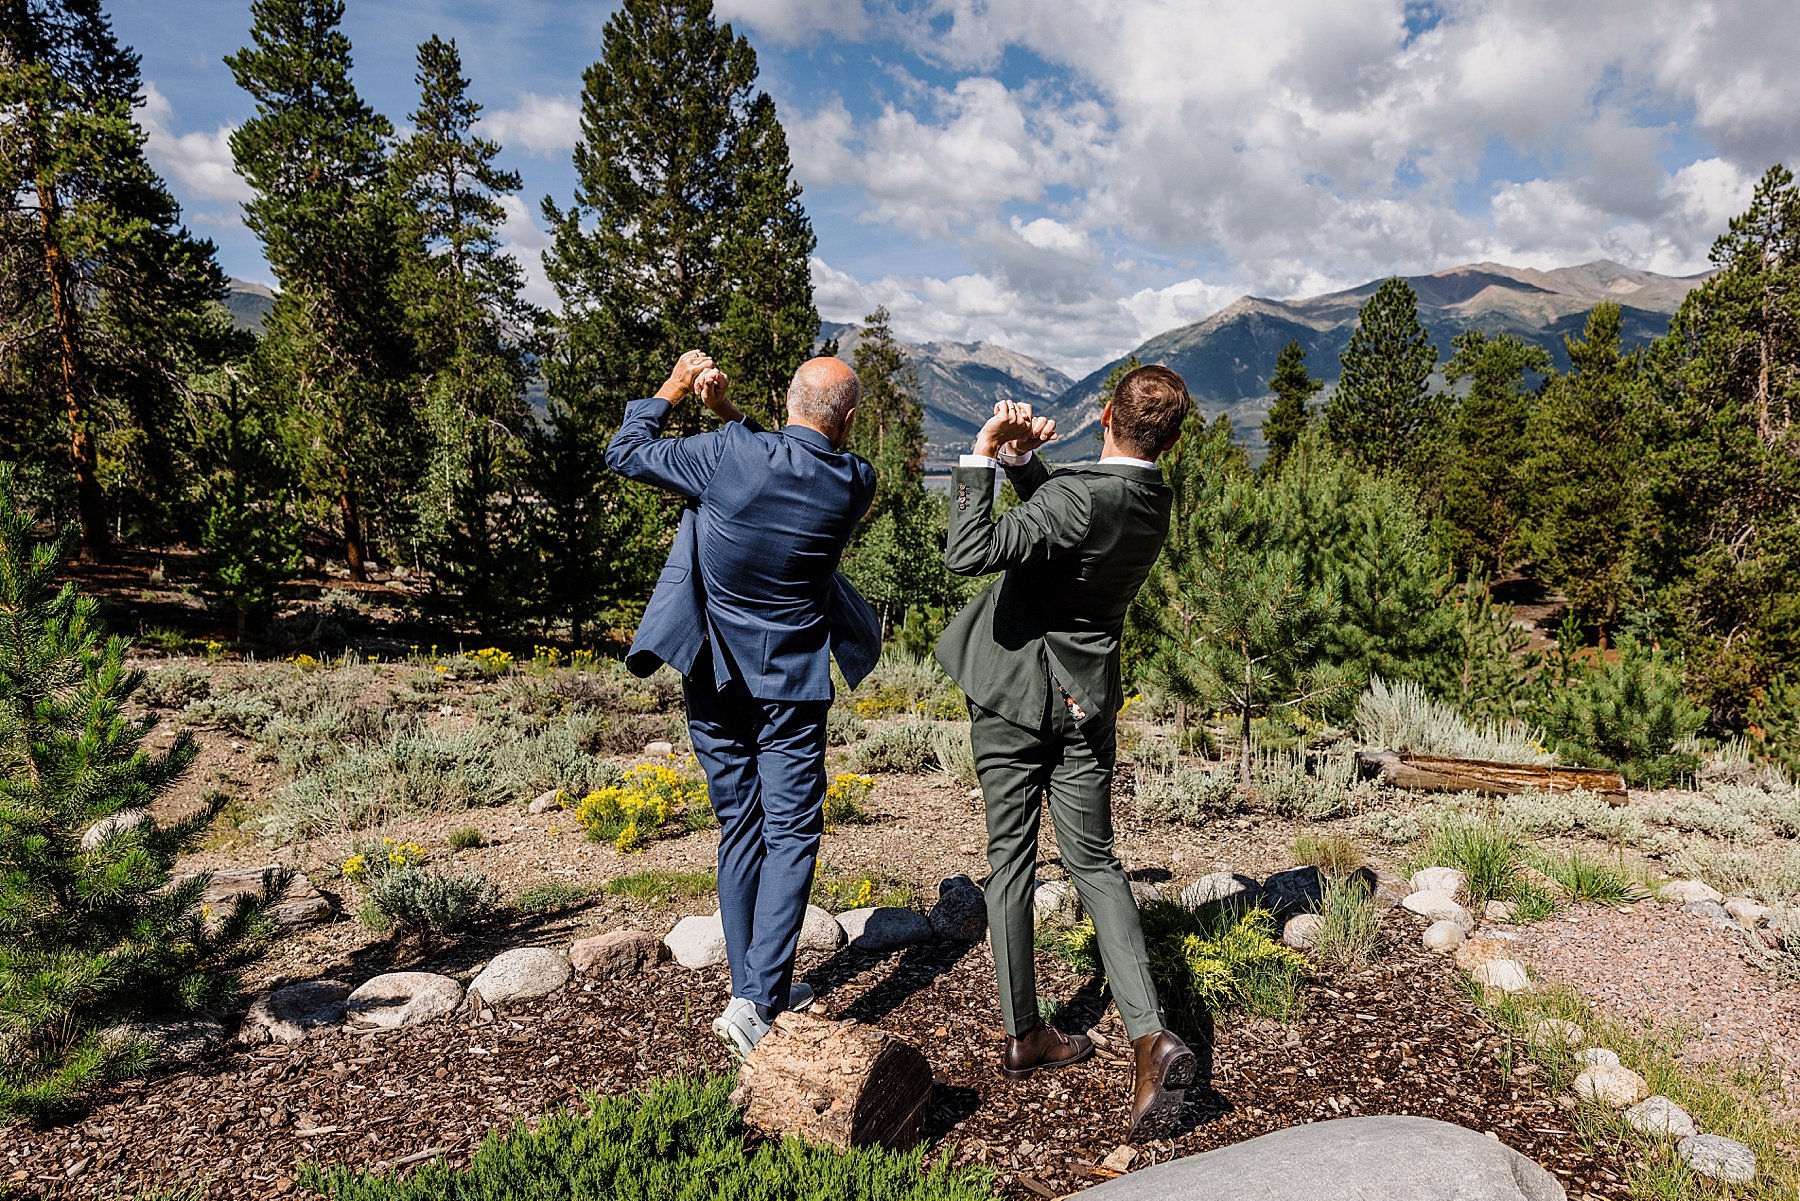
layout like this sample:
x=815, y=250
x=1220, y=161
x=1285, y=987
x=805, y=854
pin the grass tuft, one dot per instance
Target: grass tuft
x=659, y=886
x=1348, y=934
x=1333, y=853
x=552, y=898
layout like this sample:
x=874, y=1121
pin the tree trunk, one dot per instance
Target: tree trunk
x=835, y=1083
x=1244, y=738
x=91, y=505
x=1430, y=773
x=353, y=531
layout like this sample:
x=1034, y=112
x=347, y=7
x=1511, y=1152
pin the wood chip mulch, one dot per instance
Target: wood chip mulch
x=1401, y=1036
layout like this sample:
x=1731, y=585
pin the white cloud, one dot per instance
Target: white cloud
x=201, y=161
x=793, y=21
x=522, y=238
x=545, y=126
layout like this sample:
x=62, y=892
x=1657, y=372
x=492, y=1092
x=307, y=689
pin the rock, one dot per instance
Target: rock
x=1682, y=892
x=1443, y=936
x=1610, y=1085
x=1507, y=975
x=697, y=942
x=295, y=1013
x=106, y=827
x=1393, y=1158
x=1121, y=1157
x=1219, y=886
x=521, y=973
x=1597, y=1057
x=1551, y=1032
x=1301, y=931
x=617, y=954
x=1502, y=912
x=1296, y=890
x=661, y=747
x=1660, y=1116
x=1439, y=907
x=397, y=999
x=174, y=1040
x=1719, y=1157
x=883, y=929
x=300, y=903
x=1713, y=912
x=547, y=803
x=1452, y=882
x=1389, y=890
x=1748, y=913
x=819, y=931
x=1480, y=949
x=1145, y=893
x=960, y=914
x=1056, y=902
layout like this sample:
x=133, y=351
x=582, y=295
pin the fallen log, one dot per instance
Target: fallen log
x=1433, y=773
x=837, y=1083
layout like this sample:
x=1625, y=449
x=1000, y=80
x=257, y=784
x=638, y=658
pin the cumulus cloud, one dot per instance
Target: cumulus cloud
x=525, y=240
x=793, y=21
x=201, y=160
x=544, y=126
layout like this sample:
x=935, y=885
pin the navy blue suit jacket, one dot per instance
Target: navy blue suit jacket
x=755, y=558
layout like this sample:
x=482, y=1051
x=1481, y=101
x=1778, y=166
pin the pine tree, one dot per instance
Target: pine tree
x=1631, y=714
x=685, y=229
x=1484, y=494
x=90, y=936
x=1290, y=415
x=1581, y=473
x=334, y=353
x=1383, y=414
x=112, y=292
x=471, y=333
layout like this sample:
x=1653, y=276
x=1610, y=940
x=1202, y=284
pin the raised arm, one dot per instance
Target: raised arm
x=682, y=465
x=1055, y=514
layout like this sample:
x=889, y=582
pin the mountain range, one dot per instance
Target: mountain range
x=1227, y=357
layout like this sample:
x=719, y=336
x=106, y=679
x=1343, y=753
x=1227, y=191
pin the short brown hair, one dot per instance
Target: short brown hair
x=1148, y=408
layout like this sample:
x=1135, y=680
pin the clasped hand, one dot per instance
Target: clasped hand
x=696, y=372
x=1014, y=430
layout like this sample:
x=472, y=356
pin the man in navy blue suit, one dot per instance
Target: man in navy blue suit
x=749, y=609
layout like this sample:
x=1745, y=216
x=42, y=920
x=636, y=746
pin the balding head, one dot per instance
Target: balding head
x=823, y=397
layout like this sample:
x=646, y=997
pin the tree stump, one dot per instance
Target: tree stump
x=1433, y=773
x=836, y=1083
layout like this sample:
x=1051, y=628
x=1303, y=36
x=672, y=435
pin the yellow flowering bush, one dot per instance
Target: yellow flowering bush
x=369, y=860
x=840, y=892
x=843, y=800
x=653, y=801
x=884, y=701
x=304, y=662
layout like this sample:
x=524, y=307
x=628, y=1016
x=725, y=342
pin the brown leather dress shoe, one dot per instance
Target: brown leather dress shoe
x=1164, y=1068
x=1042, y=1047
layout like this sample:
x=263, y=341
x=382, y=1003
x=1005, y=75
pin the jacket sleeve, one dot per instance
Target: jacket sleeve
x=1028, y=477
x=683, y=465
x=1053, y=522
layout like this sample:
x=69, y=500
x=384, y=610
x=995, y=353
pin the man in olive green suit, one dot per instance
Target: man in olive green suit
x=1037, y=653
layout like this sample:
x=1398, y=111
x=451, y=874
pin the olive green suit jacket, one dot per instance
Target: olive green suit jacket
x=1074, y=554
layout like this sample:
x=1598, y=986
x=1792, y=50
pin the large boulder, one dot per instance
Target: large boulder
x=176, y=1040
x=1686, y=892
x=617, y=954
x=295, y=1013
x=1444, y=937
x=521, y=973
x=698, y=942
x=884, y=928
x=1217, y=888
x=397, y=999
x=1296, y=890
x=960, y=914
x=1390, y=1158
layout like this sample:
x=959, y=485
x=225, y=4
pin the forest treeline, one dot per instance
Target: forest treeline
x=383, y=413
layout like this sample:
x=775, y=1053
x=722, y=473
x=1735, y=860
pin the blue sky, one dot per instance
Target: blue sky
x=1069, y=177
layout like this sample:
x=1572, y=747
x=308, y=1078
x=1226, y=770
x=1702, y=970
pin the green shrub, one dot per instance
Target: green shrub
x=659, y=886
x=466, y=838
x=1774, y=721
x=1204, y=962
x=552, y=898
x=429, y=904
x=1404, y=717
x=1190, y=795
x=843, y=727
x=679, y=1140
x=1585, y=879
x=954, y=753
x=1630, y=714
x=1325, y=789
x=1391, y=826
x=174, y=687
x=909, y=747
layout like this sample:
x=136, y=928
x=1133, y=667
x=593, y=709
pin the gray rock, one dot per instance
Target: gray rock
x=1719, y=1157
x=1502, y=912
x=1056, y=902
x=1387, y=888
x=1683, y=892
x=175, y=1040
x=883, y=929
x=1507, y=975
x=1713, y=912
x=106, y=827
x=1296, y=890
x=1390, y=1158
x=1301, y=931
x=295, y=1013
x=697, y=942
x=397, y=999
x=1748, y=913
x=1597, y=1057
x=819, y=931
x=300, y=904
x=1444, y=936
x=1611, y=1085
x=546, y=802
x=617, y=954
x=1452, y=882
x=1661, y=1117
x=521, y=973
x=1145, y=893
x=1439, y=907
x=660, y=748
x=1217, y=887
x=960, y=914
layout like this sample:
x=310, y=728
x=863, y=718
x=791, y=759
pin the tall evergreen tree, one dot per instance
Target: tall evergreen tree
x=471, y=332
x=112, y=294
x=686, y=228
x=1483, y=495
x=334, y=356
x=1383, y=414
x=1290, y=415
x=1581, y=473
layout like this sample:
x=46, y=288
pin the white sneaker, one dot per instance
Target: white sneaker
x=739, y=1028
x=800, y=996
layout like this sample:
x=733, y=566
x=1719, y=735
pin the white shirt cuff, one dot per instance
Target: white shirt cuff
x=977, y=461
x=1001, y=460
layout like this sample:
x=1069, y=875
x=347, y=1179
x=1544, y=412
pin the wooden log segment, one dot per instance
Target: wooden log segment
x=1432, y=773
x=837, y=1083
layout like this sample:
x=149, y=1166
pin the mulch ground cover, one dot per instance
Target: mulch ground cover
x=1401, y=1036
